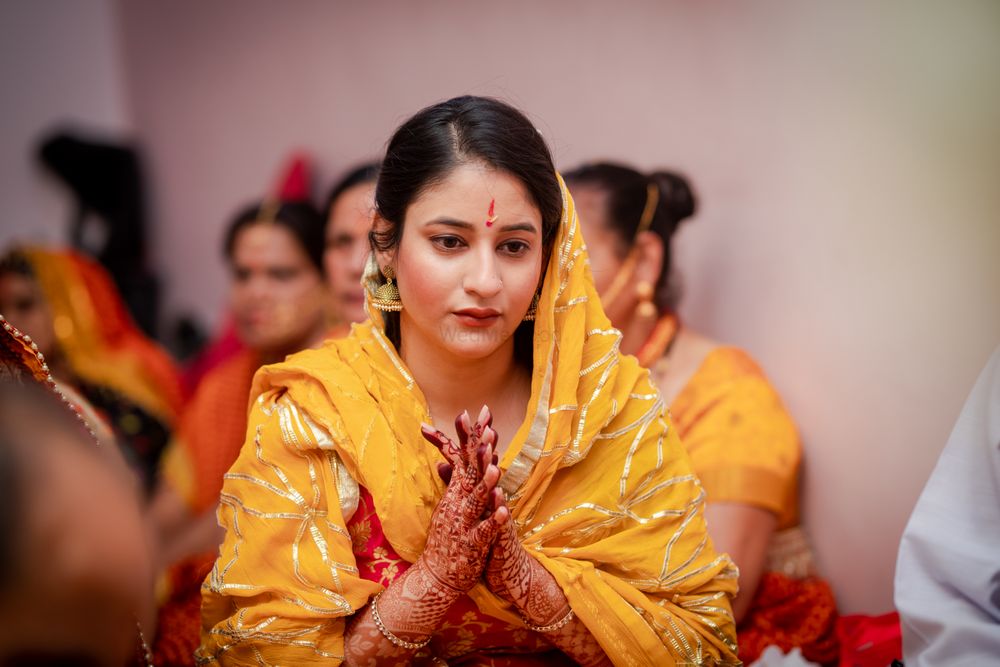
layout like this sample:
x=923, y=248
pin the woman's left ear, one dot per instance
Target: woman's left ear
x=649, y=263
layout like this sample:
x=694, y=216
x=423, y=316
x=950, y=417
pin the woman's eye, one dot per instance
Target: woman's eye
x=515, y=247
x=448, y=242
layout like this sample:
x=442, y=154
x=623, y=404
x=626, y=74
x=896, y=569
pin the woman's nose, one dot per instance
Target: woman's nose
x=483, y=277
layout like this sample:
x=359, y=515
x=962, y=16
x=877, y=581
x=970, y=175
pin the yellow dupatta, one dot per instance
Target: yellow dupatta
x=599, y=484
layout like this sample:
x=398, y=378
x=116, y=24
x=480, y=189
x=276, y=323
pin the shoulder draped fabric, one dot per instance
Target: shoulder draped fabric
x=600, y=488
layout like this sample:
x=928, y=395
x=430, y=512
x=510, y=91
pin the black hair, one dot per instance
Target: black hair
x=16, y=262
x=364, y=173
x=464, y=130
x=627, y=191
x=300, y=218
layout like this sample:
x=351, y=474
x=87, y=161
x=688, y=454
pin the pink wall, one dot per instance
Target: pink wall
x=845, y=156
x=60, y=62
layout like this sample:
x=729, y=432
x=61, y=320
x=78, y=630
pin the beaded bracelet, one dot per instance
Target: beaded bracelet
x=558, y=625
x=402, y=643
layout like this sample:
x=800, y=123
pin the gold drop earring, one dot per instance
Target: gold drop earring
x=646, y=308
x=532, y=309
x=386, y=297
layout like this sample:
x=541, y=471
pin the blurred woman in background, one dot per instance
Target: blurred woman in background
x=69, y=306
x=743, y=444
x=349, y=210
x=280, y=304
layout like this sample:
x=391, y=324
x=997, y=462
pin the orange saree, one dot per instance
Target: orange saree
x=211, y=432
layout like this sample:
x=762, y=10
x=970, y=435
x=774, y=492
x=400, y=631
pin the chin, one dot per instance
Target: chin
x=474, y=344
x=268, y=344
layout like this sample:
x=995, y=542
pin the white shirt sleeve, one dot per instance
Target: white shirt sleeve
x=948, y=572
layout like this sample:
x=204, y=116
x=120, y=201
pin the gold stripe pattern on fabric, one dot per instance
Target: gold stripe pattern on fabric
x=301, y=437
x=390, y=351
x=347, y=487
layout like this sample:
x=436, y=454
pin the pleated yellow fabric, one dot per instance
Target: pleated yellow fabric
x=600, y=487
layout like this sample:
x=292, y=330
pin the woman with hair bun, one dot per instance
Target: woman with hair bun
x=743, y=443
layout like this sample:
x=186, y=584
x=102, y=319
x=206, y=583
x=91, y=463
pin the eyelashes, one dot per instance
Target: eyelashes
x=452, y=243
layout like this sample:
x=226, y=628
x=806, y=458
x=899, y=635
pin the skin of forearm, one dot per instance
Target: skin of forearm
x=521, y=580
x=544, y=603
x=412, y=608
x=576, y=641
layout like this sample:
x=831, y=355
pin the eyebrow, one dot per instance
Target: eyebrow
x=514, y=227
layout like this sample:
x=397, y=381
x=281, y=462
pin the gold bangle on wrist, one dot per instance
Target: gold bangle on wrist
x=552, y=627
x=398, y=641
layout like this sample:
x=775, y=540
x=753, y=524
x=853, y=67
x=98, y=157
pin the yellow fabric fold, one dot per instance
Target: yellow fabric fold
x=600, y=488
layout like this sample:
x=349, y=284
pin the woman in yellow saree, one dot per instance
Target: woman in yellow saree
x=582, y=540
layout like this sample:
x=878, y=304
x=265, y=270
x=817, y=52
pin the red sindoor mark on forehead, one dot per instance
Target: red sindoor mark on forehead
x=491, y=216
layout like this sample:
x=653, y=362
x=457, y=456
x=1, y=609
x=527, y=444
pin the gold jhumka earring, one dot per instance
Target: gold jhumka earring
x=386, y=297
x=532, y=309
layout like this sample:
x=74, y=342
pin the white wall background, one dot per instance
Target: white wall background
x=846, y=156
x=60, y=62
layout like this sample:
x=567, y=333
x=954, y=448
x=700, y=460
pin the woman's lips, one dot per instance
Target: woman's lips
x=478, y=317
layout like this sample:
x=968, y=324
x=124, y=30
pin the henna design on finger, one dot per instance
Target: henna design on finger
x=443, y=443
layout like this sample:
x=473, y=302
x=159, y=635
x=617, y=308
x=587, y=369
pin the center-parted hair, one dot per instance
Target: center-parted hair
x=464, y=130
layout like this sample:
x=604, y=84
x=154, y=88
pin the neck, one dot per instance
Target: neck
x=452, y=384
x=636, y=331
